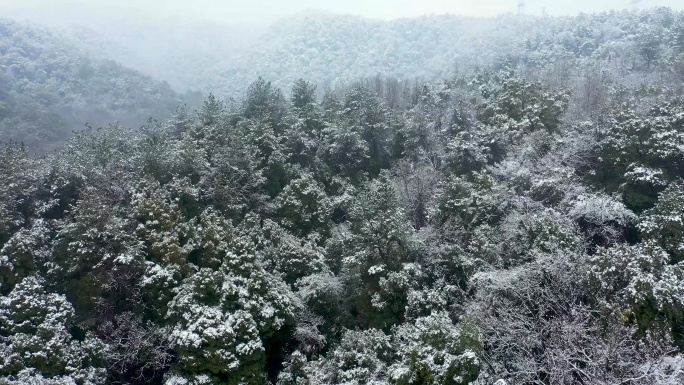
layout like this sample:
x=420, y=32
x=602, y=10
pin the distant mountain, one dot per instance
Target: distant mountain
x=50, y=87
x=181, y=51
x=327, y=48
x=333, y=50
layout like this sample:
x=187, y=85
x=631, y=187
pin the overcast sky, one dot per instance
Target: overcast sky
x=264, y=11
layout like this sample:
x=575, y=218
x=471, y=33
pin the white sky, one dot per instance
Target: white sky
x=263, y=11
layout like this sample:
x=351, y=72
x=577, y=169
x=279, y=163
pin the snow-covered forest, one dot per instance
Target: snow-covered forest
x=439, y=200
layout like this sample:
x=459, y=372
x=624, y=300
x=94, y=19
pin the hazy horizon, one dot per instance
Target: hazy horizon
x=268, y=11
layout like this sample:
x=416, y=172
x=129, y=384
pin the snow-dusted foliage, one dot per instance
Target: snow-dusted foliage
x=36, y=342
x=433, y=349
x=291, y=256
x=360, y=358
x=16, y=177
x=645, y=151
x=518, y=223
x=26, y=252
x=643, y=282
x=304, y=206
x=664, y=223
x=537, y=328
x=430, y=350
x=221, y=319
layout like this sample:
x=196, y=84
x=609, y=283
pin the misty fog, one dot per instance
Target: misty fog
x=267, y=11
x=167, y=38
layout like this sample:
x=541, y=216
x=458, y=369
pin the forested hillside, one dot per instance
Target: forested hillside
x=49, y=88
x=334, y=50
x=519, y=222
